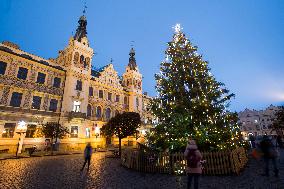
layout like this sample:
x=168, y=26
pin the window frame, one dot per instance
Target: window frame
x=4, y=71
x=12, y=102
x=50, y=108
x=91, y=91
x=109, y=96
x=57, y=85
x=40, y=100
x=39, y=81
x=79, y=85
x=73, y=128
x=101, y=94
x=9, y=129
x=21, y=74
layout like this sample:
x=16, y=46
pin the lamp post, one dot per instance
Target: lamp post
x=21, y=129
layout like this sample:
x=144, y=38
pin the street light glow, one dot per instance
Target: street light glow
x=22, y=126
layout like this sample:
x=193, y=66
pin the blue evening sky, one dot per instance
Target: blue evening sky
x=243, y=40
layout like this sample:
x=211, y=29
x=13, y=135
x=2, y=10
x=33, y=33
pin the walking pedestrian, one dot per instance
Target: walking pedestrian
x=269, y=153
x=194, y=167
x=87, y=154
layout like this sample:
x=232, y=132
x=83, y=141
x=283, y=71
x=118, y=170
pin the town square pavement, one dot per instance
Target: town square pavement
x=64, y=172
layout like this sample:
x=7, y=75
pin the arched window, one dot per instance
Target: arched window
x=101, y=94
x=108, y=113
x=87, y=62
x=82, y=60
x=76, y=57
x=99, y=112
x=89, y=110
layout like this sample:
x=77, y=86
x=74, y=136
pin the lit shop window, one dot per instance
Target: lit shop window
x=74, y=132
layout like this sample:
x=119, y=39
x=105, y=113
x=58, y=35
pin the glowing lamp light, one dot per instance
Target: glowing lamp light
x=143, y=132
x=75, y=132
x=97, y=130
x=22, y=126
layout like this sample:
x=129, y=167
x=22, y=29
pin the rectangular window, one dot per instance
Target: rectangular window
x=79, y=85
x=56, y=82
x=40, y=78
x=53, y=105
x=3, y=66
x=8, y=131
x=101, y=94
x=16, y=99
x=36, y=102
x=109, y=96
x=22, y=73
x=30, y=131
x=117, y=98
x=91, y=91
x=74, y=132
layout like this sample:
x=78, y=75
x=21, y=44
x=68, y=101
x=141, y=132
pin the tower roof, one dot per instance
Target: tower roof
x=81, y=31
x=132, y=62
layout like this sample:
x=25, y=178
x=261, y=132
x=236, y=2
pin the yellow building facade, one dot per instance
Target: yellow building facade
x=67, y=90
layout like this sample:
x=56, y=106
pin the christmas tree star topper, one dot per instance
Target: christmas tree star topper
x=177, y=28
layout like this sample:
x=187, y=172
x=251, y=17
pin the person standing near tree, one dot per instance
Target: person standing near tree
x=194, y=167
x=88, y=155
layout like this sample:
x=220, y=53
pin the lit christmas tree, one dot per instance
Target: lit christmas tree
x=191, y=102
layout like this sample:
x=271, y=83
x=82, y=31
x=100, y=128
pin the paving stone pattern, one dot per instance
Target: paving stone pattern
x=64, y=172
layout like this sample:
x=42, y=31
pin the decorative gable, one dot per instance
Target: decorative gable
x=107, y=75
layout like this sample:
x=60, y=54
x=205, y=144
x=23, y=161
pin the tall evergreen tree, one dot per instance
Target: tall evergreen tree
x=191, y=102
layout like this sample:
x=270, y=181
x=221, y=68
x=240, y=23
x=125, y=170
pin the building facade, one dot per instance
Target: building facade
x=257, y=123
x=67, y=90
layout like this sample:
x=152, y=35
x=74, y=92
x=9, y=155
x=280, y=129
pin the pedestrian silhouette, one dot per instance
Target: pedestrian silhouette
x=88, y=155
x=269, y=153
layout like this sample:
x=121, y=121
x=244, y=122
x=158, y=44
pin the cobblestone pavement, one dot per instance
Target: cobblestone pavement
x=63, y=172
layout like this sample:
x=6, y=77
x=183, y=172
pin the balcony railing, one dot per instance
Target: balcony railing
x=72, y=115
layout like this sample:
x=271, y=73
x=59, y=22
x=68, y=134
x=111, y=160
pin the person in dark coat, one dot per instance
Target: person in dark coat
x=88, y=155
x=269, y=153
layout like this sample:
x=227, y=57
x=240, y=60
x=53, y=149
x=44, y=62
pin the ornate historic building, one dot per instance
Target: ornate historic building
x=257, y=123
x=66, y=90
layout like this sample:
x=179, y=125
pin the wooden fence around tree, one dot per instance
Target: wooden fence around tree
x=217, y=163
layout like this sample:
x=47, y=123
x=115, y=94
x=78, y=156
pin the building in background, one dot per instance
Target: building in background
x=66, y=90
x=257, y=123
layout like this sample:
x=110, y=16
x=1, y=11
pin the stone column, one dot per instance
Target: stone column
x=5, y=96
x=27, y=99
x=49, y=79
x=32, y=74
x=45, y=102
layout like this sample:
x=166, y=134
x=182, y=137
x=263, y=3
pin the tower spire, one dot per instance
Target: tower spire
x=132, y=61
x=81, y=31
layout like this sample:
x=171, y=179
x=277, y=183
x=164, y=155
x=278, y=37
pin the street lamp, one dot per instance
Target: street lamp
x=21, y=129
